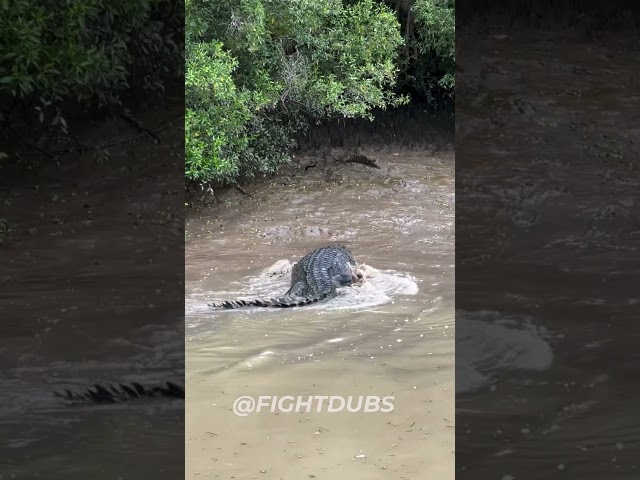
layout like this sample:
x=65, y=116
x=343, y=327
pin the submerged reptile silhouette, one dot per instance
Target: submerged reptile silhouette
x=121, y=393
x=314, y=278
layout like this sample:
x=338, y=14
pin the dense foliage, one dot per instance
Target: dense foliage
x=84, y=51
x=258, y=71
x=229, y=130
x=436, y=38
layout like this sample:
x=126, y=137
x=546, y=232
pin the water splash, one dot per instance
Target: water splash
x=380, y=287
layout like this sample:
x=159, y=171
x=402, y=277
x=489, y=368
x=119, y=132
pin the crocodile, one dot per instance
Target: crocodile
x=314, y=278
x=121, y=393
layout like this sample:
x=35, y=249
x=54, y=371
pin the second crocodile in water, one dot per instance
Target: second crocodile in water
x=314, y=278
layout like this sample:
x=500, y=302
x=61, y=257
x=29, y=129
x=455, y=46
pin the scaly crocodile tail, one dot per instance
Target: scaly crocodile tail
x=121, y=393
x=281, y=302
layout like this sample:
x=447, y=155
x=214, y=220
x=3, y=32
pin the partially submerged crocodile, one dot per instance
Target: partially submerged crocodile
x=122, y=393
x=314, y=278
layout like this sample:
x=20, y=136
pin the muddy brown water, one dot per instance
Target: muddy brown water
x=91, y=293
x=544, y=368
x=393, y=336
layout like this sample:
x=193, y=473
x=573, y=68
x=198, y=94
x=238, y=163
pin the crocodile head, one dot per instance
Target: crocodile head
x=343, y=280
x=355, y=277
x=348, y=279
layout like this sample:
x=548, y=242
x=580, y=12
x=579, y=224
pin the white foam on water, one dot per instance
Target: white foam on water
x=380, y=287
x=486, y=349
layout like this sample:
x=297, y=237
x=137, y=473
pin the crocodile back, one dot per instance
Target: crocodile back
x=313, y=274
x=314, y=278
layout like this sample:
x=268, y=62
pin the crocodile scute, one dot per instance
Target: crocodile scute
x=121, y=393
x=314, y=278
